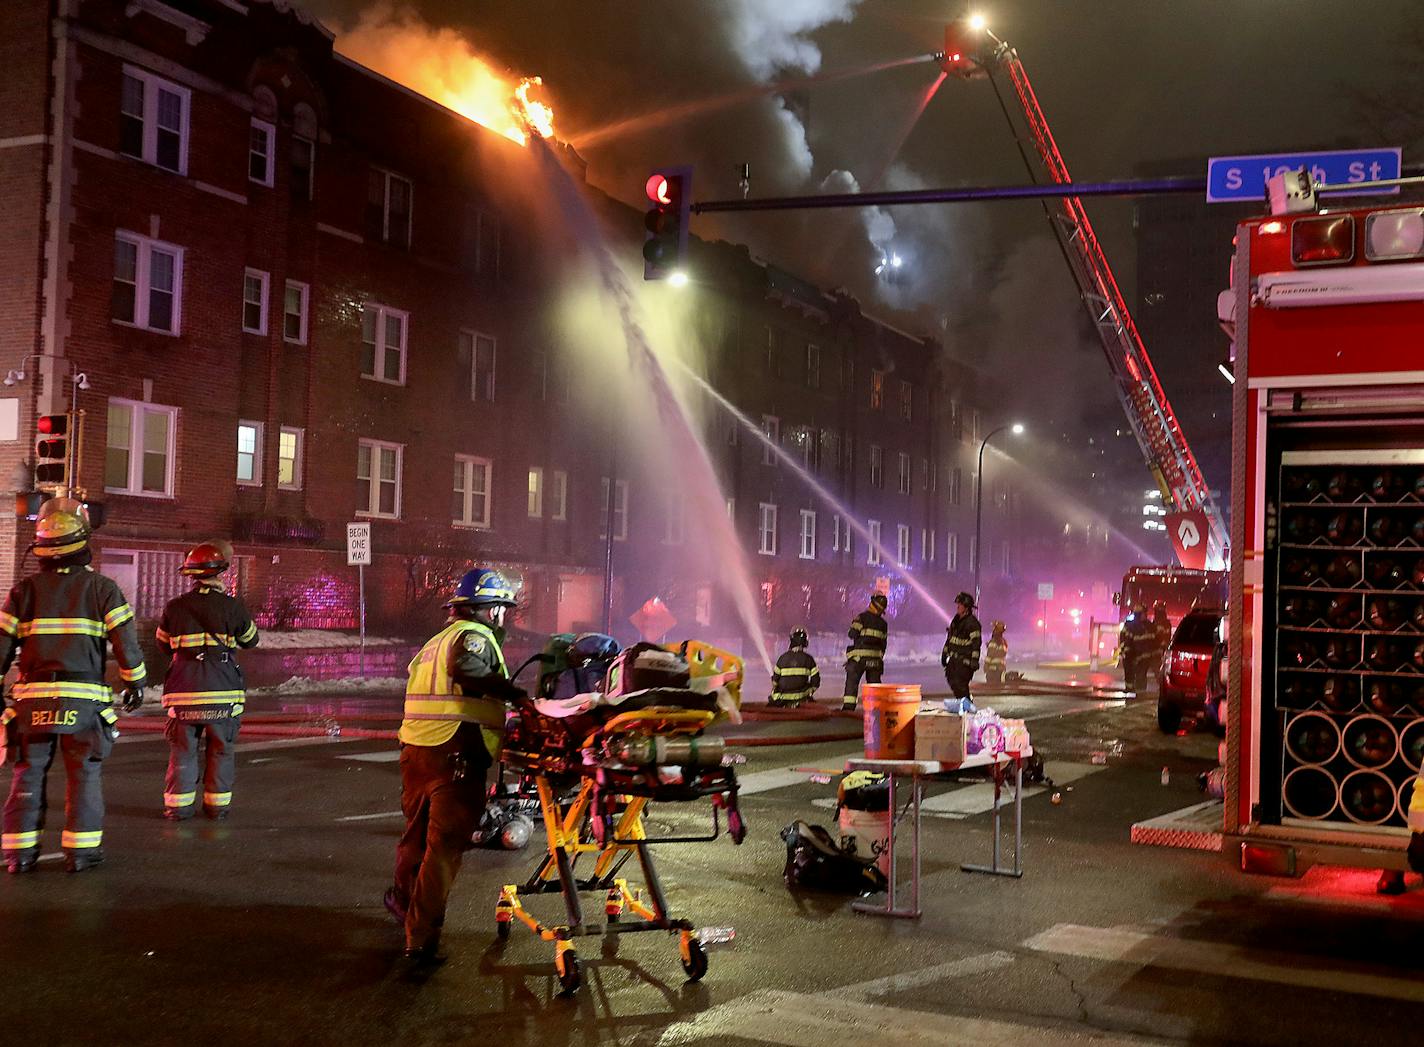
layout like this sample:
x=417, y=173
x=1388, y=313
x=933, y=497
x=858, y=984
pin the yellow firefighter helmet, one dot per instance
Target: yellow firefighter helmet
x=63, y=528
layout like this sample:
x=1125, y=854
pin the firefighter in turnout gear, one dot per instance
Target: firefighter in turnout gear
x=795, y=678
x=996, y=654
x=960, y=656
x=865, y=654
x=203, y=691
x=452, y=732
x=57, y=622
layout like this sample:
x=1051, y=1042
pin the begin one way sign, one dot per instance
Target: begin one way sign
x=358, y=544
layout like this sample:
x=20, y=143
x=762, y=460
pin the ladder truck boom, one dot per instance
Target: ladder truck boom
x=972, y=50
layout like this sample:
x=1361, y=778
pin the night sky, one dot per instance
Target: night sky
x=1123, y=82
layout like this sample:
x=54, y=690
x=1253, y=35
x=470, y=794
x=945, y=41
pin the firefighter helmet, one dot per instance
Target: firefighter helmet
x=880, y=600
x=481, y=587
x=63, y=529
x=967, y=599
x=998, y=626
x=207, y=560
x=798, y=638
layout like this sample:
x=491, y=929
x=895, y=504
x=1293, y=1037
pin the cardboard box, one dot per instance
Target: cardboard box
x=940, y=736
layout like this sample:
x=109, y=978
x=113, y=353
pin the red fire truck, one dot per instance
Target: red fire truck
x=1326, y=610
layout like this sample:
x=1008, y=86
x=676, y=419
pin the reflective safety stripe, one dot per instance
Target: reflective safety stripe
x=108, y=715
x=487, y=712
x=1416, y=805
x=6, y=716
x=9, y=624
x=778, y=671
x=791, y=696
x=865, y=653
x=94, y=692
x=118, y=616
x=63, y=627
x=200, y=640
x=868, y=633
x=247, y=634
x=80, y=841
x=216, y=799
x=179, y=799
x=20, y=841
x=161, y=635
x=202, y=697
x=130, y=675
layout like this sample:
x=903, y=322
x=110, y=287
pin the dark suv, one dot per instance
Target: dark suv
x=1185, y=666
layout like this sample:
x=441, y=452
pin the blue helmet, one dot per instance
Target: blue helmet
x=481, y=587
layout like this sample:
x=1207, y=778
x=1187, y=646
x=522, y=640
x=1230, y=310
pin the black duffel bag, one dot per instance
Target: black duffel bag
x=815, y=861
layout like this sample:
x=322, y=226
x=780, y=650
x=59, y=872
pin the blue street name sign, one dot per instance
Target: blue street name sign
x=1231, y=178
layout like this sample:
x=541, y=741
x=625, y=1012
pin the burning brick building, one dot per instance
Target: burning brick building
x=282, y=293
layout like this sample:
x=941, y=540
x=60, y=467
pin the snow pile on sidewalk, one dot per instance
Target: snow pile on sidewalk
x=345, y=685
x=294, y=638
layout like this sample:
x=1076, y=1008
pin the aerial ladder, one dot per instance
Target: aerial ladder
x=972, y=51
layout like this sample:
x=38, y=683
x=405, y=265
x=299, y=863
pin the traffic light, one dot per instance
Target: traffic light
x=52, y=450
x=962, y=40
x=670, y=192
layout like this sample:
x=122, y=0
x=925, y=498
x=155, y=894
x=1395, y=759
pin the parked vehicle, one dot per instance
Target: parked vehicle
x=1185, y=667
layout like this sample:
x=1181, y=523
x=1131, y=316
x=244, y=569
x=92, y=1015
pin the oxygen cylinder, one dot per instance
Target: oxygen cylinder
x=682, y=751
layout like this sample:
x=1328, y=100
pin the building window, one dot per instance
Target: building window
x=472, y=492
x=262, y=153
x=974, y=426
x=138, y=458
x=877, y=390
x=388, y=208
x=771, y=429
x=478, y=349
x=766, y=530
x=872, y=548
x=838, y=530
x=620, y=512
x=771, y=360
x=973, y=551
x=148, y=284
x=675, y=521
x=254, y=301
x=289, y=457
x=294, y=312
x=902, y=543
x=1004, y=559
x=378, y=478
x=249, y=453
x=956, y=419
x=904, y=472
x=956, y=485
x=153, y=120
x=951, y=551
x=907, y=401
x=927, y=545
x=482, y=242
x=536, y=491
x=813, y=367
x=559, y=496
x=808, y=534
x=383, y=334
x=877, y=466
x=303, y=169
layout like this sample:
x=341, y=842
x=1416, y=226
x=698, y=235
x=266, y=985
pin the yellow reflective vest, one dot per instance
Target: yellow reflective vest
x=435, y=704
x=1416, y=805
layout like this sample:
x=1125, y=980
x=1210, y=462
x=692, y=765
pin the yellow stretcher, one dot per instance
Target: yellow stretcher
x=621, y=758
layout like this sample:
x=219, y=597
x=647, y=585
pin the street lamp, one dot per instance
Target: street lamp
x=1017, y=429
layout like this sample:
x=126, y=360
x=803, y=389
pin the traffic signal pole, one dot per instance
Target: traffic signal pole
x=959, y=194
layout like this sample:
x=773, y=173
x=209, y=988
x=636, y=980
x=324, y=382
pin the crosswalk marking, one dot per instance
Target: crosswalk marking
x=803, y=1020
x=1118, y=945
x=382, y=756
x=961, y=968
x=369, y=817
x=765, y=781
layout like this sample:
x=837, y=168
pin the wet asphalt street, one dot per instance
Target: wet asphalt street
x=269, y=928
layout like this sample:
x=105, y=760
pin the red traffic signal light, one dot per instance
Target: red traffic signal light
x=52, y=449
x=669, y=191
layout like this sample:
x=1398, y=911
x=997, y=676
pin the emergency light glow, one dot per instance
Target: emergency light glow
x=977, y=23
x=678, y=278
x=1323, y=241
x=1394, y=234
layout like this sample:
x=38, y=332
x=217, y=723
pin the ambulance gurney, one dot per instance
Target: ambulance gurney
x=596, y=760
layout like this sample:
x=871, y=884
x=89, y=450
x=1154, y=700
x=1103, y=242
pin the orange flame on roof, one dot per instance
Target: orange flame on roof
x=440, y=64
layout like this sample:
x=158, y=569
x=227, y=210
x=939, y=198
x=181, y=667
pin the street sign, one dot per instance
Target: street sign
x=1231, y=178
x=1188, y=531
x=358, y=544
x=653, y=620
x=1045, y=590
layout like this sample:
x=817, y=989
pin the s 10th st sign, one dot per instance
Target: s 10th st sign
x=1233, y=178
